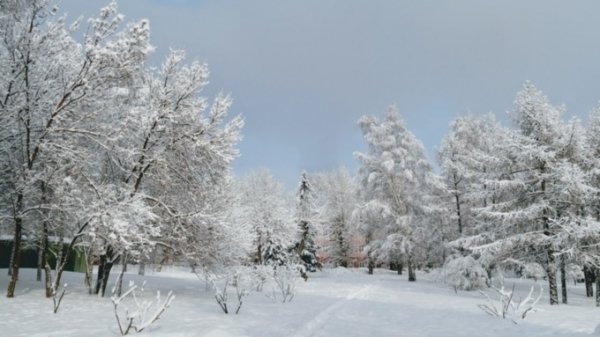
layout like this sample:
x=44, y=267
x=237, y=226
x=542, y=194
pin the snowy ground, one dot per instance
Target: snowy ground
x=332, y=303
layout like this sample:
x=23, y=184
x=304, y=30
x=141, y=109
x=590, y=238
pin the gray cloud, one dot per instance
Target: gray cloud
x=302, y=72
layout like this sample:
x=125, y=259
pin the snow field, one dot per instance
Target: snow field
x=332, y=303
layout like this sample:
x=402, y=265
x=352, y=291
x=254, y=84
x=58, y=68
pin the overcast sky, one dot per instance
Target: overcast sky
x=302, y=72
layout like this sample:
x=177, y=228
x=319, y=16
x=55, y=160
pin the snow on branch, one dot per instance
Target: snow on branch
x=146, y=311
x=507, y=307
x=242, y=279
x=285, y=278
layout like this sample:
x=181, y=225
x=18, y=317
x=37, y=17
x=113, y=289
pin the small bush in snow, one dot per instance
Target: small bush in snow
x=464, y=273
x=145, y=312
x=242, y=279
x=507, y=307
x=261, y=274
x=221, y=294
x=533, y=271
x=285, y=278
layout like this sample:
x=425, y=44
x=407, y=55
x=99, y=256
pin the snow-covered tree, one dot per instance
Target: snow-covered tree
x=51, y=88
x=262, y=209
x=305, y=218
x=466, y=160
x=472, y=155
x=96, y=145
x=336, y=194
x=544, y=189
x=395, y=177
x=176, y=157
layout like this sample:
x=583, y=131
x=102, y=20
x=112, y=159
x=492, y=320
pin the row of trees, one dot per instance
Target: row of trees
x=104, y=152
x=527, y=194
x=124, y=162
x=506, y=198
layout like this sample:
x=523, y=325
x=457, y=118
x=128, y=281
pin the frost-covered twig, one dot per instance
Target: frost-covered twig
x=507, y=307
x=147, y=312
x=221, y=296
x=260, y=275
x=285, y=279
x=243, y=289
x=243, y=281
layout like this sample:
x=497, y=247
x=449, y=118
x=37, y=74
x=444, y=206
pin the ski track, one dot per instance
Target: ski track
x=313, y=326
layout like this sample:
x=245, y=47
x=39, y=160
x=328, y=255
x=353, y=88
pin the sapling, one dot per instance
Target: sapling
x=57, y=298
x=242, y=280
x=146, y=311
x=507, y=307
x=285, y=278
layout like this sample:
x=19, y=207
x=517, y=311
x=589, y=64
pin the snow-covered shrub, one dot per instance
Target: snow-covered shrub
x=285, y=278
x=146, y=311
x=221, y=294
x=464, y=273
x=435, y=275
x=507, y=307
x=242, y=279
x=261, y=274
x=533, y=271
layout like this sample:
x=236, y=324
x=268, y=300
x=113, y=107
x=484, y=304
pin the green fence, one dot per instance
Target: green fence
x=29, y=256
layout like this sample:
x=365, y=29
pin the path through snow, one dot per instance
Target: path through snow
x=314, y=326
x=344, y=303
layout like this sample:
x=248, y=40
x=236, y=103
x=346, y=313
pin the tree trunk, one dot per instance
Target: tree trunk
x=489, y=271
x=100, y=276
x=43, y=245
x=371, y=265
x=14, y=267
x=412, y=276
x=597, y=288
x=89, y=270
x=563, y=279
x=589, y=278
x=457, y=199
x=106, y=263
x=48, y=280
x=11, y=260
x=551, y=270
x=119, y=285
x=107, y=270
x=400, y=266
x=142, y=269
x=259, y=255
x=550, y=264
x=47, y=274
x=38, y=273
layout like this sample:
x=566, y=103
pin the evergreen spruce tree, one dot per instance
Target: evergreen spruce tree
x=305, y=246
